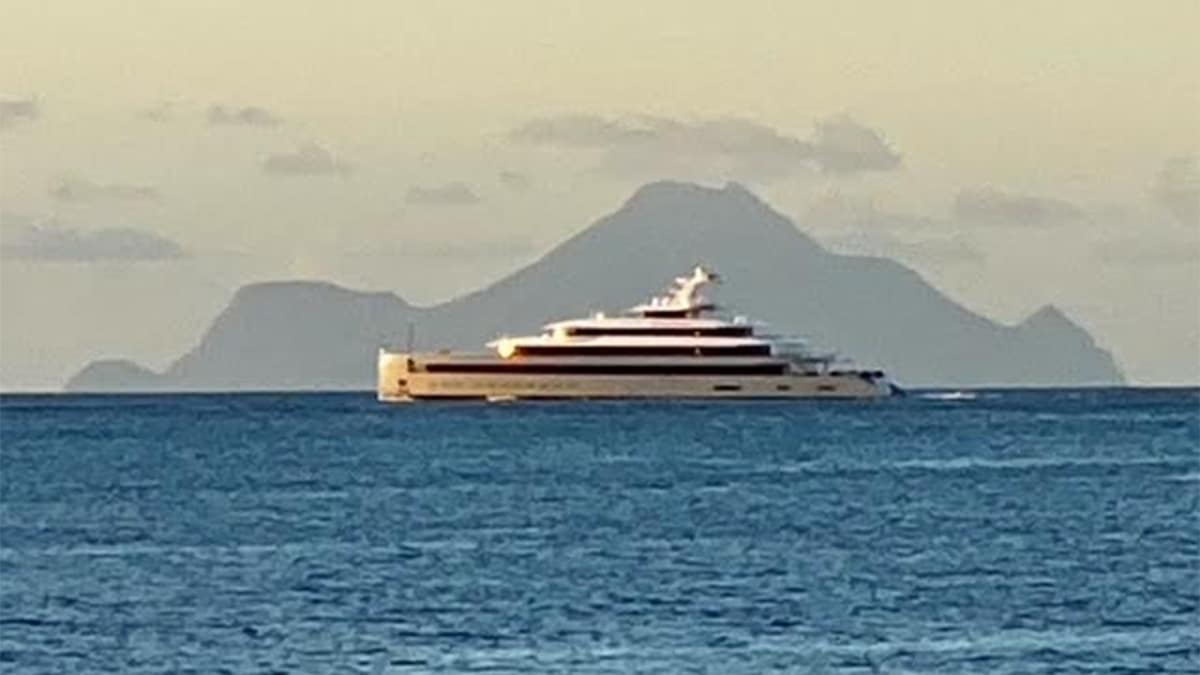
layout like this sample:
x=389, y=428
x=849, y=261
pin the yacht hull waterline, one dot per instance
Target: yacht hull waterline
x=664, y=349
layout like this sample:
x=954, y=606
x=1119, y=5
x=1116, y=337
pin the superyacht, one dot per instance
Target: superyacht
x=669, y=347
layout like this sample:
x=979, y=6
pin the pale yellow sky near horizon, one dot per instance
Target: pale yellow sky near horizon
x=1080, y=102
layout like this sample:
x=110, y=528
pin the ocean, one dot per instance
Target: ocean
x=989, y=532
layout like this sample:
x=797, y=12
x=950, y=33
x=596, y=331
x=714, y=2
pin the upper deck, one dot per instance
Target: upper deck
x=682, y=300
x=639, y=326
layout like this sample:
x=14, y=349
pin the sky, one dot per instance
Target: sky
x=155, y=156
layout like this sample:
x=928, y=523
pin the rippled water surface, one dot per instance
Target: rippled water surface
x=1048, y=531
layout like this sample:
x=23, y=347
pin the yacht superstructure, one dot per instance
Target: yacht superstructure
x=668, y=347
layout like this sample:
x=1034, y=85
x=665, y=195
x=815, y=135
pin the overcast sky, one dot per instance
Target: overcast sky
x=155, y=156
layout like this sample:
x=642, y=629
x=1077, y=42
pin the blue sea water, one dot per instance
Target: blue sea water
x=1011, y=532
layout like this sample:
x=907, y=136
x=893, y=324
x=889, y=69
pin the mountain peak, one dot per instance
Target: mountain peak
x=674, y=190
x=1067, y=347
x=1048, y=316
x=682, y=212
x=115, y=375
x=305, y=291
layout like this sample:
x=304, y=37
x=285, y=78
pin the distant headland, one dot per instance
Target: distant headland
x=298, y=335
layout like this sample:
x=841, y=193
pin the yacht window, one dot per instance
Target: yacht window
x=716, y=331
x=644, y=350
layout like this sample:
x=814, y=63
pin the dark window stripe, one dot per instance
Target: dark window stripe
x=721, y=331
x=516, y=368
x=677, y=313
x=607, y=350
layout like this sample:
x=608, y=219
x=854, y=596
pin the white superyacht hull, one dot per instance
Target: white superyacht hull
x=405, y=377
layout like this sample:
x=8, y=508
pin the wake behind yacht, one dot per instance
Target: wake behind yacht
x=668, y=347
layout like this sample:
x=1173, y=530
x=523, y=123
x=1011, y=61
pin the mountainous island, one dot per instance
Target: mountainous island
x=312, y=335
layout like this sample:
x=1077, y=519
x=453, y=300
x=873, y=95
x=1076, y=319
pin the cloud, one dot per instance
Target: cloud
x=450, y=194
x=993, y=207
x=11, y=221
x=1177, y=188
x=161, y=112
x=1149, y=251
x=242, y=115
x=583, y=131
x=731, y=146
x=471, y=250
x=842, y=145
x=14, y=111
x=309, y=159
x=53, y=243
x=515, y=180
x=462, y=249
x=856, y=226
x=79, y=190
x=953, y=250
x=850, y=212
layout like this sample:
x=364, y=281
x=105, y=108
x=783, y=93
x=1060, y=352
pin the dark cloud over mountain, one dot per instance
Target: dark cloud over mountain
x=79, y=190
x=856, y=225
x=993, y=207
x=835, y=210
x=250, y=115
x=450, y=194
x=471, y=250
x=641, y=144
x=1177, y=188
x=309, y=159
x=515, y=180
x=14, y=111
x=842, y=145
x=952, y=250
x=60, y=244
x=1141, y=252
